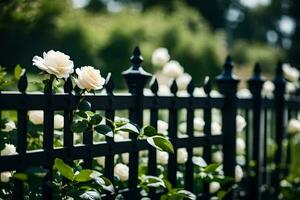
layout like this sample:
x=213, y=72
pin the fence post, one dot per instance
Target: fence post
x=136, y=78
x=227, y=83
x=18, y=192
x=255, y=85
x=280, y=119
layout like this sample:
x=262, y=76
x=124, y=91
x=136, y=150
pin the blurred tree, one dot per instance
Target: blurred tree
x=294, y=52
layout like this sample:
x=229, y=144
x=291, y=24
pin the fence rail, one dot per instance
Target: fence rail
x=135, y=102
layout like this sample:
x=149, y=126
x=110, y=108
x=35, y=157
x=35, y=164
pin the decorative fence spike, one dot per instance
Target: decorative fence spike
x=23, y=83
x=190, y=88
x=257, y=70
x=154, y=85
x=68, y=87
x=109, y=84
x=207, y=85
x=136, y=59
x=174, y=87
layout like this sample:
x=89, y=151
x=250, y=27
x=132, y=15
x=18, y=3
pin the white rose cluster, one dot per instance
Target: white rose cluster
x=9, y=126
x=162, y=157
x=37, y=118
x=160, y=56
x=182, y=156
x=172, y=69
x=268, y=89
x=290, y=73
x=293, y=126
x=9, y=149
x=5, y=176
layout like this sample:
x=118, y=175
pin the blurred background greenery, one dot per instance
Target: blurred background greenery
x=199, y=34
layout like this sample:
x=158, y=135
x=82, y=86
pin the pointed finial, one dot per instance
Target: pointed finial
x=207, y=85
x=154, y=85
x=136, y=59
x=23, y=83
x=228, y=63
x=257, y=69
x=68, y=87
x=109, y=84
x=190, y=88
x=174, y=87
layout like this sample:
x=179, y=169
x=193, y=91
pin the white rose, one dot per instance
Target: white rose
x=100, y=161
x=162, y=127
x=172, y=69
x=9, y=149
x=268, y=88
x=9, y=126
x=198, y=124
x=89, y=78
x=198, y=151
x=214, y=187
x=56, y=63
x=182, y=156
x=217, y=157
x=238, y=173
x=290, y=87
x=240, y=123
x=36, y=117
x=124, y=134
x=240, y=146
x=182, y=93
x=164, y=90
x=58, y=121
x=215, y=93
x=162, y=157
x=182, y=127
x=293, y=126
x=125, y=157
x=122, y=171
x=216, y=128
x=183, y=80
x=5, y=176
x=244, y=93
x=199, y=92
x=290, y=73
x=118, y=138
x=160, y=57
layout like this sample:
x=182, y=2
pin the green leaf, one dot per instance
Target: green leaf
x=79, y=126
x=64, y=169
x=105, y=184
x=91, y=195
x=96, y=119
x=161, y=143
x=186, y=194
x=148, y=131
x=84, y=175
x=18, y=72
x=167, y=184
x=81, y=114
x=153, y=181
x=20, y=176
x=212, y=167
x=128, y=128
x=221, y=194
x=85, y=106
x=104, y=129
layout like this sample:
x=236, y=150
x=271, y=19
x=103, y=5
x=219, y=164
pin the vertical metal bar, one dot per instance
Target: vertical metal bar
x=136, y=79
x=152, y=162
x=228, y=87
x=109, y=114
x=48, y=140
x=189, y=167
x=280, y=117
x=255, y=85
x=173, y=121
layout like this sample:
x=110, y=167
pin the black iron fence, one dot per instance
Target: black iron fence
x=261, y=184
